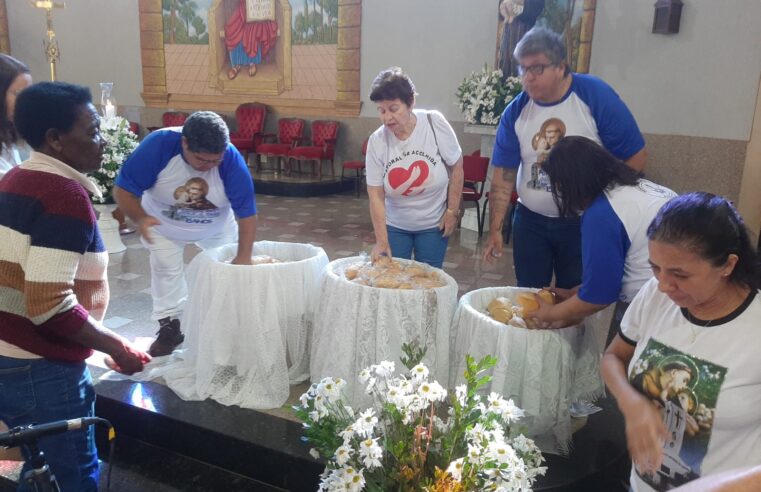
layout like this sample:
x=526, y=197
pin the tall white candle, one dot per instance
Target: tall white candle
x=110, y=110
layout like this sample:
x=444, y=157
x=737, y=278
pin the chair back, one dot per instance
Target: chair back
x=289, y=130
x=475, y=168
x=250, y=118
x=322, y=131
x=174, y=118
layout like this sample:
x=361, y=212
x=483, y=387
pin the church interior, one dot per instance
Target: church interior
x=300, y=114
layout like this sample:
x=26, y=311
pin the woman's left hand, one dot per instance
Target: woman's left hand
x=447, y=223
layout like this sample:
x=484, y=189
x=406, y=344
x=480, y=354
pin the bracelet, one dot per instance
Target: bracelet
x=453, y=212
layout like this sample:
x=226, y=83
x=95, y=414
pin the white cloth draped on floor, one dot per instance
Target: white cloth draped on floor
x=357, y=326
x=246, y=327
x=543, y=371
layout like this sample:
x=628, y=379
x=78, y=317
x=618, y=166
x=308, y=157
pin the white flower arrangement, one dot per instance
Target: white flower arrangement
x=120, y=142
x=484, y=95
x=402, y=443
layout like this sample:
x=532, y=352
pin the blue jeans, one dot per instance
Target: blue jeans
x=428, y=245
x=37, y=391
x=543, y=246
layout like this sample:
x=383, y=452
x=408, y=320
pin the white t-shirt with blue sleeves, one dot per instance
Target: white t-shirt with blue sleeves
x=614, y=241
x=528, y=130
x=191, y=205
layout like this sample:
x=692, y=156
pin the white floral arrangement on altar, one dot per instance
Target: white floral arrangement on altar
x=411, y=440
x=484, y=95
x=120, y=142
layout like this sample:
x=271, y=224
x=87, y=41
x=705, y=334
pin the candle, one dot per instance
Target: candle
x=110, y=110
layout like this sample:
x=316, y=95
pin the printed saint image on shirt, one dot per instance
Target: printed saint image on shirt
x=191, y=204
x=686, y=390
x=551, y=131
x=410, y=180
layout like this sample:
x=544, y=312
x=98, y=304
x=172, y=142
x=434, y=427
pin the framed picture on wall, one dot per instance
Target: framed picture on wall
x=572, y=19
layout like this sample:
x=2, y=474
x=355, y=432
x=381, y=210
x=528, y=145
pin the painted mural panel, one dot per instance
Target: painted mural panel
x=572, y=19
x=271, y=48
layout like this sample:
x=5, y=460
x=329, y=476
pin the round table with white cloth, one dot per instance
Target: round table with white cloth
x=543, y=371
x=357, y=326
x=246, y=327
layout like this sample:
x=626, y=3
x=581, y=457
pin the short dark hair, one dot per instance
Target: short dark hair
x=580, y=170
x=207, y=132
x=710, y=227
x=48, y=105
x=391, y=84
x=542, y=41
x=10, y=68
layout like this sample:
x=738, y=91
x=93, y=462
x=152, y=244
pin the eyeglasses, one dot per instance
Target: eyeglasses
x=535, y=70
x=208, y=162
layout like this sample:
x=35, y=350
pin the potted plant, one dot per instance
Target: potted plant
x=484, y=95
x=416, y=436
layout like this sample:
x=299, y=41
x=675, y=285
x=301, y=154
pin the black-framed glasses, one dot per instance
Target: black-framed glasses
x=535, y=70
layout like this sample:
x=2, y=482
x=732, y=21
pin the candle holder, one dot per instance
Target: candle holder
x=107, y=100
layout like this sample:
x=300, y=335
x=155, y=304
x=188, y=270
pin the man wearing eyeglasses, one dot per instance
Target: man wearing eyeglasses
x=545, y=244
x=180, y=186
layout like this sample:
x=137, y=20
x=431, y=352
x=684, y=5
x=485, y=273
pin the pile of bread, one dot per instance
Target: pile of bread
x=518, y=313
x=386, y=273
x=263, y=260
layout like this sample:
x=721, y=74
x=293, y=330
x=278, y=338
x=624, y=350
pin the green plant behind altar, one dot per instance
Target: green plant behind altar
x=411, y=440
x=484, y=95
x=120, y=142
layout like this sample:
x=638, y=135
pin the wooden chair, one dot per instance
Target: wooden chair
x=358, y=166
x=250, y=118
x=289, y=131
x=322, y=148
x=475, y=169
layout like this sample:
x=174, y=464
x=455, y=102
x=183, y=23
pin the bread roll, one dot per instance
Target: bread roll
x=529, y=303
x=500, y=309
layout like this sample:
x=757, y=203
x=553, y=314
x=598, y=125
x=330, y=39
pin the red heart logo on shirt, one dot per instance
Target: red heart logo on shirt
x=400, y=176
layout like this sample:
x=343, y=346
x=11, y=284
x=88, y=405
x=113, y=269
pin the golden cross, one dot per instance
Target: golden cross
x=51, y=45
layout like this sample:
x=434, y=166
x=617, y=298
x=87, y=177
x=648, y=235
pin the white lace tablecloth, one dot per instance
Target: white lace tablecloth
x=357, y=326
x=246, y=327
x=543, y=371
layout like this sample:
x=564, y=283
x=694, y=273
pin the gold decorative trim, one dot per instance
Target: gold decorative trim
x=5, y=40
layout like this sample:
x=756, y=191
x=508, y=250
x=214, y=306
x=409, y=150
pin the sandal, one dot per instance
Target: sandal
x=233, y=72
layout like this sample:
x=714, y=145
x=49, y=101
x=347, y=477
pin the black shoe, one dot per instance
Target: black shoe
x=169, y=337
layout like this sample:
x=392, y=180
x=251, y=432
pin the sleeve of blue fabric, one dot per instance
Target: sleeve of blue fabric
x=239, y=187
x=507, y=148
x=141, y=169
x=604, y=244
x=616, y=125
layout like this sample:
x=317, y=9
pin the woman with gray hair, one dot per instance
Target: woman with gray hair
x=199, y=157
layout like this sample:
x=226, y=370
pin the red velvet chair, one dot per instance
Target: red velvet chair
x=322, y=148
x=475, y=169
x=358, y=166
x=171, y=118
x=134, y=128
x=289, y=131
x=250, y=118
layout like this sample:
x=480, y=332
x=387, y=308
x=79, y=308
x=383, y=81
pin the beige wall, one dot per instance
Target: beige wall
x=693, y=93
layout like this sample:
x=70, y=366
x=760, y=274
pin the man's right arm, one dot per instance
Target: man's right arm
x=130, y=205
x=502, y=185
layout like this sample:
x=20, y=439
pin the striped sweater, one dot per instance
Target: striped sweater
x=52, y=259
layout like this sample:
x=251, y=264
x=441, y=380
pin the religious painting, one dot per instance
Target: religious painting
x=221, y=53
x=686, y=389
x=572, y=19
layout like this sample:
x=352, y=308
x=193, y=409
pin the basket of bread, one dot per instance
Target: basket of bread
x=516, y=311
x=387, y=273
